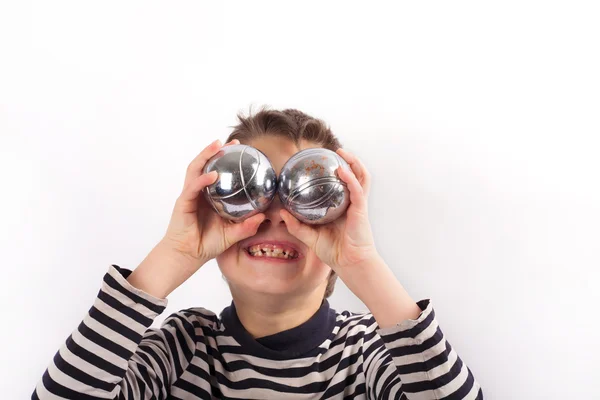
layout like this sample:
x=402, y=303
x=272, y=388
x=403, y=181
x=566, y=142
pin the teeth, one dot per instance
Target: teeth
x=258, y=251
x=271, y=254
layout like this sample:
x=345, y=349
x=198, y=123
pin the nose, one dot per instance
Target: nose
x=272, y=213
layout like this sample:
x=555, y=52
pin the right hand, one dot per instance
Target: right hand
x=196, y=230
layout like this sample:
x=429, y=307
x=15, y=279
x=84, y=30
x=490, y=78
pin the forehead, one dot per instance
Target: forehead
x=279, y=149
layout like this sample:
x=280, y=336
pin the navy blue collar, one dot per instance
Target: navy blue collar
x=302, y=340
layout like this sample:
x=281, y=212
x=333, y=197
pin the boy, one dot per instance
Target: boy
x=279, y=339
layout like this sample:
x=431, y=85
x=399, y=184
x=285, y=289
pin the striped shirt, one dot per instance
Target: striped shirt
x=114, y=354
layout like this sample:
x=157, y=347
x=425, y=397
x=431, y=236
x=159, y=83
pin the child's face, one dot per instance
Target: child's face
x=249, y=274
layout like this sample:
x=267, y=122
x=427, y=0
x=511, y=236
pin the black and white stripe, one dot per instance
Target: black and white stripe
x=113, y=354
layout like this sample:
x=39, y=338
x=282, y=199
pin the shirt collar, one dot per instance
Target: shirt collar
x=302, y=340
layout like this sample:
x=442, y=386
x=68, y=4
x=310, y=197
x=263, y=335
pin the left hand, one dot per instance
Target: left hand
x=348, y=240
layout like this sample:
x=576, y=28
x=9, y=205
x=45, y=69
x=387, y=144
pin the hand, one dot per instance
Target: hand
x=348, y=240
x=196, y=233
x=195, y=229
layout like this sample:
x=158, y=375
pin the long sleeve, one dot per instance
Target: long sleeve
x=413, y=360
x=113, y=354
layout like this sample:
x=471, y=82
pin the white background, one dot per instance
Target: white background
x=479, y=123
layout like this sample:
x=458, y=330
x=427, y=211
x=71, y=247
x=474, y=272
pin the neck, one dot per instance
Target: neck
x=263, y=315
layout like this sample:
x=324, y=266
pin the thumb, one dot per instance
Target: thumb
x=303, y=232
x=242, y=230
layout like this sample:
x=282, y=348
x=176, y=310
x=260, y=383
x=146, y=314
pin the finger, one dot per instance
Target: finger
x=357, y=166
x=303, y=232
x=195, y=168
x=357, y=193
x=191, y=191
x=232, y=142
x=200, y=183
x=244, y=229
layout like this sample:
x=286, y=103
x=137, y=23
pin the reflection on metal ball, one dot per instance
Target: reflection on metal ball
x=246, y=185
x=310, y=189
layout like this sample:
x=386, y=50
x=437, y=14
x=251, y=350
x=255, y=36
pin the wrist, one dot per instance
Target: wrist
x=367, y=259
x=173, y=250
x=163, y=270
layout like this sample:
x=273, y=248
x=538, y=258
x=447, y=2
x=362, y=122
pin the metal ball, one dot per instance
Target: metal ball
x=246, y=184
x=310, y=189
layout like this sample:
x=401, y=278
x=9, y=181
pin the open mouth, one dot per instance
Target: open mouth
x=272, y=251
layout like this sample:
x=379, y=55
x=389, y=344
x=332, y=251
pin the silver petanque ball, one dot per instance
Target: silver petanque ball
x=310, y=189
x=246, y=184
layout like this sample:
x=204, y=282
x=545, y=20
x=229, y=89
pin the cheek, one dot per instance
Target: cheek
x=228, y=260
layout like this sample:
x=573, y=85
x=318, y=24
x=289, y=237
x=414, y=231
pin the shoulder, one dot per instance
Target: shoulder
x=352, y=323
x=198, y=319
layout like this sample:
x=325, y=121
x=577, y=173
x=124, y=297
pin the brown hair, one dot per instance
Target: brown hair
x=296, y=126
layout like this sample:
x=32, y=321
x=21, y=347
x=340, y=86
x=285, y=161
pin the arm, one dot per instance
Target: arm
x=414, y=352
x=112, y=354
x=413, y=355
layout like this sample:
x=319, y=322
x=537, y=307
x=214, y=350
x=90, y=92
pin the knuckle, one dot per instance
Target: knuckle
x=191, y=167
